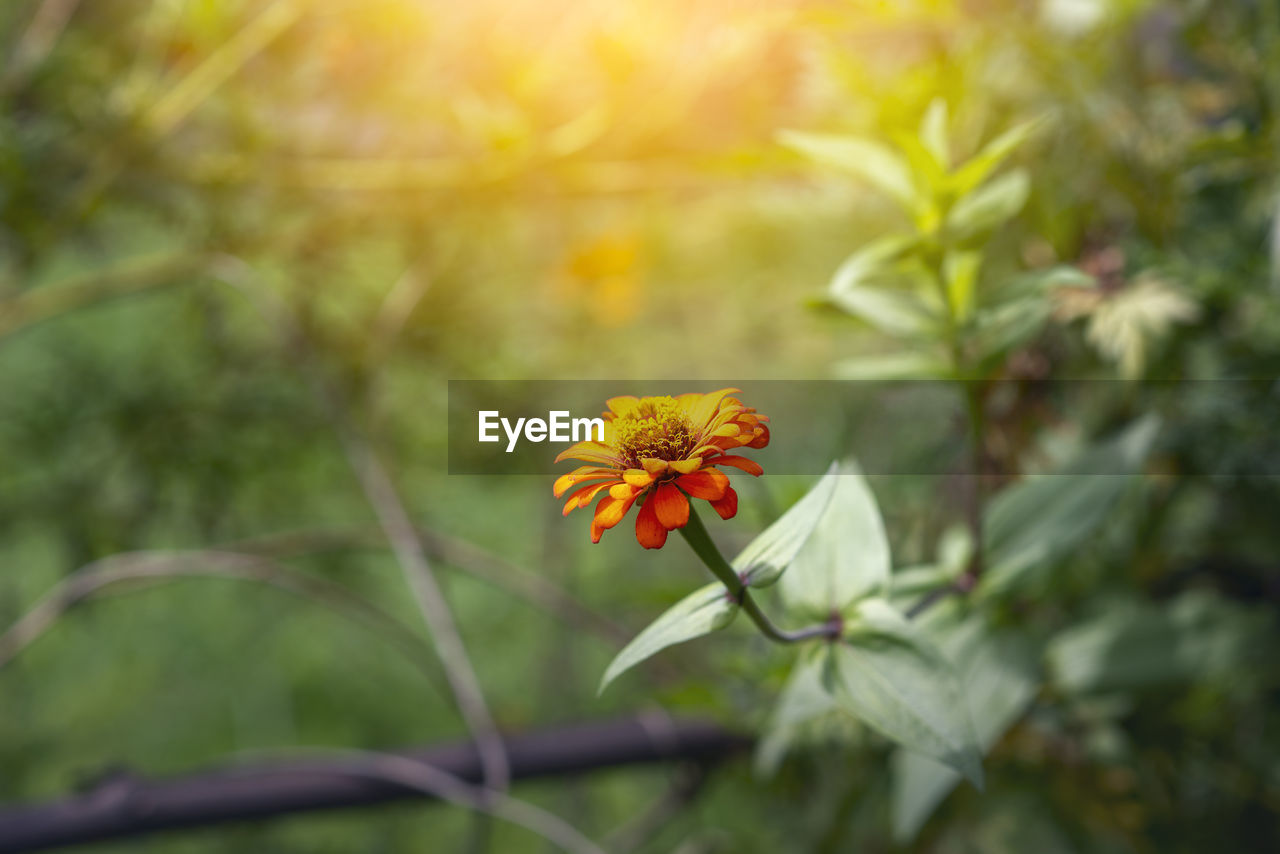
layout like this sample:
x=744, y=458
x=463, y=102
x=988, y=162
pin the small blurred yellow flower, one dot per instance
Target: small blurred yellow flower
x=662, y=451
x=604, y=275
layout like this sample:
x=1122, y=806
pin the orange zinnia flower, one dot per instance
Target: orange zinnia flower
x=658, y=450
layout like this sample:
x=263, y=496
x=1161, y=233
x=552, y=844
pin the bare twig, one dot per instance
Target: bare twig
x=37, y=41
x=687, y=783
x=430, y=780
x=536, y=588
x=128, y=567
x=131, y=276
x=396, y=526
x=404, y=541
x=171, y=108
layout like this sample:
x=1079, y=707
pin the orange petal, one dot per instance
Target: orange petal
x=761, y=439
x=596, y=531
x=727, y=430
x=637, y=477
x=649, y=531
x=727, y=507
x=709, y=483
x=580, y=475
x=610, y=511
x=583, y=496
x=749, y=466
x=670, y=505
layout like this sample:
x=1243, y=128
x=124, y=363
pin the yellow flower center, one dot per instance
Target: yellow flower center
x=656, y=428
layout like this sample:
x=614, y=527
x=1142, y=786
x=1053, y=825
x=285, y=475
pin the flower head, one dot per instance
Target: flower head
x=662, y=451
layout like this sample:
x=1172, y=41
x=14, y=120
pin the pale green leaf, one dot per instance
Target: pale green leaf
x=933, y=133
x=1042, y=282
x=979, y=167
x=989, y=206
x=1000, y=680
x=1135, y=645
x=893, y=679
x=768, y=555
x=803, y=698
x=874, y=163
x=1010, y=325
x=869, y=262
x=704, y=611
x=1041, y=519
x=893, y=366
x=846, y=558
x=960, y=271
x=895, y=313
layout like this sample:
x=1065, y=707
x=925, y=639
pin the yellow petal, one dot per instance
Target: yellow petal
x=637, y=477
x=654, y=466
x=623, y=404
x=708, y=406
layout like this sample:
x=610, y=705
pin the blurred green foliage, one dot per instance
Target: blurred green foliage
x=208, y=208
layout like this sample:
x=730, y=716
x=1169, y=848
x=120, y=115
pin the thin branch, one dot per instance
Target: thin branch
x=175, y=105
x=536, y=588
x=454, y=552
x=37, y=42
x=119, y=569
x=684, y=789
x=396, y=526
x=404, y=541
x=431, y=781
x=130, y=276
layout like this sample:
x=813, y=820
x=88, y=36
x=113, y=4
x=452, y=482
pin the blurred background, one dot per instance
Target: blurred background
x=234, y=235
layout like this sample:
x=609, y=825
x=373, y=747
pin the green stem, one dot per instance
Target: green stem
x=695, y=534
x=977, y=433
x=973, y=394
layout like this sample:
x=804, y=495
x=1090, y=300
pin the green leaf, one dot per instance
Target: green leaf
x=846, y=558
x=979, y=167
x=1135, y=645
x=1010, y=325
x=702, y=612
x=871, y=161
x=1044, y=518
x=892, y=366
x=871, y=261
x=1016, y=821
x=960, y=270
x=1040, y=283
x=1000, y=681
x=894, y=313
x=888, y=675
x=933, y=133
x=803, y=698
x=1020, y=307
x=990, y=206
x=764, y=560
